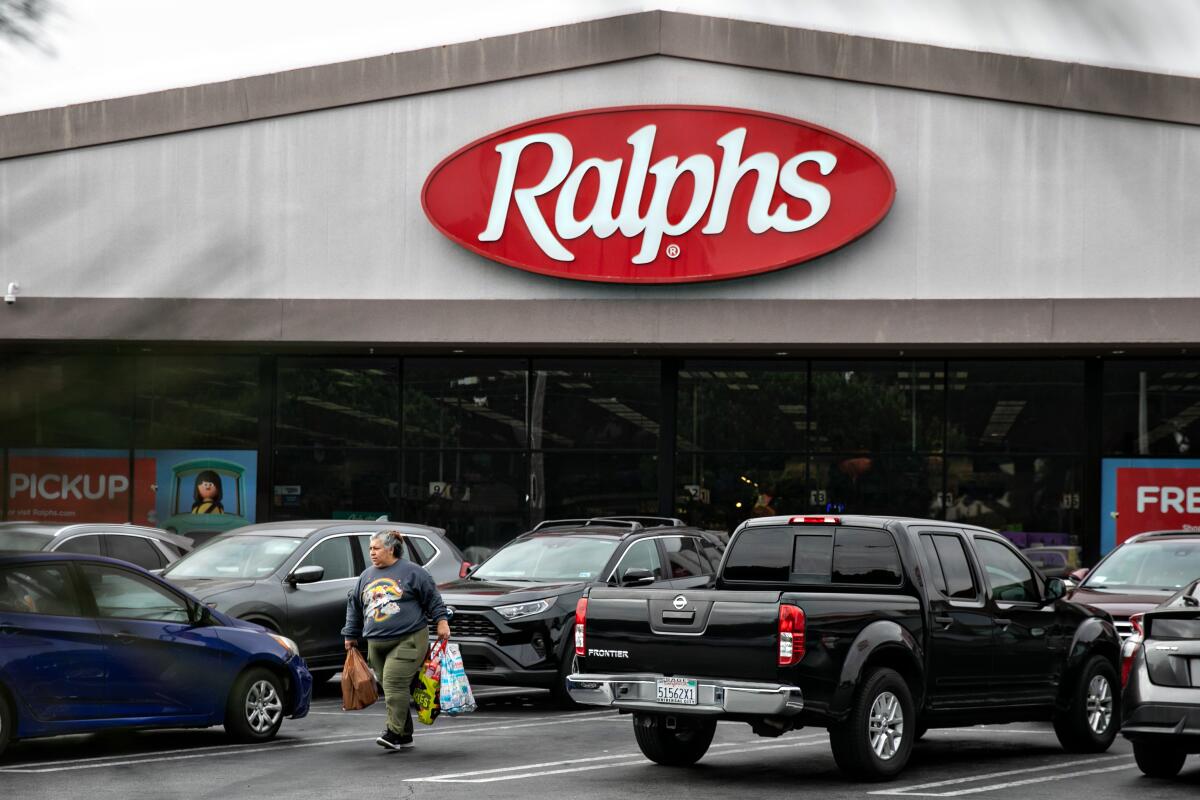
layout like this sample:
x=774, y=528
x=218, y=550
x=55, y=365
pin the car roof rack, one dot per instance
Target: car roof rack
x=589, y=522
x=633, y=522
x=647, y=522
x=558, y=523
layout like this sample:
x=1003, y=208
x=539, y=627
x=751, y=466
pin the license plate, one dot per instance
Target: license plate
x=679, y=691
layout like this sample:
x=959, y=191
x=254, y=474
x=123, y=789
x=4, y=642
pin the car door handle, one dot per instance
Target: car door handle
x=1003, y=623
x=944, y=620
x=125, y=637
x=9, y=630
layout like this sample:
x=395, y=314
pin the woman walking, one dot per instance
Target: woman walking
x=391, y=607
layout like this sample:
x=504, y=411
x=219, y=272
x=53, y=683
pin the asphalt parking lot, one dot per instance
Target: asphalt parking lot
x=518, y=746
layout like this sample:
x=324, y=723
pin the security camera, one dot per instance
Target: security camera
x=10, y=297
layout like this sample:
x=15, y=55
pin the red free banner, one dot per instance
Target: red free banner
x=1157, y=498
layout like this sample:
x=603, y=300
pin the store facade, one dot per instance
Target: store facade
x=242, y=279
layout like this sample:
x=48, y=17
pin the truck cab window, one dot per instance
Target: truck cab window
x=1010, y=579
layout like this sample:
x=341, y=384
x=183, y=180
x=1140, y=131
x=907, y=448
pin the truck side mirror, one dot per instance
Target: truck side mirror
x=1055, y=589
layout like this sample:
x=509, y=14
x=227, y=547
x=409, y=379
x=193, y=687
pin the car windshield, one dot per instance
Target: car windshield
x=22, y=540
x=1157, y=566
x=236, y=557
x=548, y=559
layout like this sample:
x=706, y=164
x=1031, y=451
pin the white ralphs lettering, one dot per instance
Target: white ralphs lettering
x=616, y=210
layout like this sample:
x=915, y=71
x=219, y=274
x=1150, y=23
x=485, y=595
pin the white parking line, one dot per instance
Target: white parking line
x=102, y=762
x=919, y=789
x=521, y=771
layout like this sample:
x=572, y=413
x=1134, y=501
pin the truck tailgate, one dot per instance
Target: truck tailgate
x=706, y=633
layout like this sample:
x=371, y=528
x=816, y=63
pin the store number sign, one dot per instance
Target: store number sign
x=658, y=194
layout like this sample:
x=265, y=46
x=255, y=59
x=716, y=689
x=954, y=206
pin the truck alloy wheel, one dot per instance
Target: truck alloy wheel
x=1089, y=715
x=886, y=730
x=875, y=740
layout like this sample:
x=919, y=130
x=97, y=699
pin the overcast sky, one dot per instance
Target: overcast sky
x=96, y=49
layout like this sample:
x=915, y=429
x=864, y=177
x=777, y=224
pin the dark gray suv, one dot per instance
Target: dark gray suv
x=293, y=577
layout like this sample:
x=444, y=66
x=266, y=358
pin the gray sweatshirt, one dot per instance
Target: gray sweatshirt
x=392, y=601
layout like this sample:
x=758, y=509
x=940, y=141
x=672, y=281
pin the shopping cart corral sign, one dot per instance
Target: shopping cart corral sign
x=658, y=194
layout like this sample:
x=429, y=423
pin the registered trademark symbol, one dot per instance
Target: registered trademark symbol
x=672, y=251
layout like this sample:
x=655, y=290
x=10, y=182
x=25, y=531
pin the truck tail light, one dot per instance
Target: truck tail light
x=821, y=520
x=791, y=635
x=1129, y=649
x=580, y=626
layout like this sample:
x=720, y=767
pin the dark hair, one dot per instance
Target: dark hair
x=207, y=476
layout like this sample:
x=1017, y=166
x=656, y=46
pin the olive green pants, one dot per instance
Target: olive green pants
x=396, y=662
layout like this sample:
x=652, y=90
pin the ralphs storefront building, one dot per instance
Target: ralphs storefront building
x=655, y=264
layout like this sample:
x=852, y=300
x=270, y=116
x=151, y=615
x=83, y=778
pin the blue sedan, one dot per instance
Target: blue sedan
x=90, y=643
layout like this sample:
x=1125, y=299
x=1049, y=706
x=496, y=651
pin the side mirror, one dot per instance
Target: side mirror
x=310, y=574
x=1079, y=575
x=637, y=577
x=201, y=616
x=1055, y=589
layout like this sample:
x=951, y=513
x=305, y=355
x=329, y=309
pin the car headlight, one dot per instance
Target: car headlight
x=286, y=643
x=518, y=610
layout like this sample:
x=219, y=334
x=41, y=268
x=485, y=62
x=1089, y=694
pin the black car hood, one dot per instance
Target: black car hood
x=205, y=588
x=489, y=594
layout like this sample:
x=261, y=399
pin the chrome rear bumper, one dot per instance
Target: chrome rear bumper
x=714, y=696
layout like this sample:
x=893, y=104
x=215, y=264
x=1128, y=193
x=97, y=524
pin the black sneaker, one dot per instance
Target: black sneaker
x=394, y=741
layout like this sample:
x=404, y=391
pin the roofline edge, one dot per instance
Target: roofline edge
x=1043, y=82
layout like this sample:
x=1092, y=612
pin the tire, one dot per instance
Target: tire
x=678, y=747
x=1091, y=719
x=558, y=692
x=1158, y=760
x=254, y=711
x=874, y=742
x=8, y=723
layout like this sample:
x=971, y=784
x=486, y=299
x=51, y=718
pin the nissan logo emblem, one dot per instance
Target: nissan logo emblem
x=679, y=602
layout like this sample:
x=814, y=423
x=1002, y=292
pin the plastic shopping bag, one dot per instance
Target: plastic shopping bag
x=428, y=685
x=456, y=697
x=358, y=684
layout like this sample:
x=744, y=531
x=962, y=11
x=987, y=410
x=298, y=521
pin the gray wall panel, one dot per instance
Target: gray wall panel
x=995, y=200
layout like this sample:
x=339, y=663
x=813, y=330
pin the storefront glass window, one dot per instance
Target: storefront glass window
x=901, y=484
x=1015, y=406
x=478, y=498
x=593, y=485
x=66, y=401
x=197, y=402
x=720, y=490
x=1152, y=408
x=334, y=483
x=338, y=403
x=458, y=403
x=742, y=406
x=65, y=424
x=1032, y=499
x=598, y=405
x=877, y=406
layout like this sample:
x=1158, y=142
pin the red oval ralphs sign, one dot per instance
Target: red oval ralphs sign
x=658, y=194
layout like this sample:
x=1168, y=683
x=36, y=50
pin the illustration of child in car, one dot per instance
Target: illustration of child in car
x=206, y=495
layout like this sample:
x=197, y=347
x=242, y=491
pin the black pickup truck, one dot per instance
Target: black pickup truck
x=874, y=628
